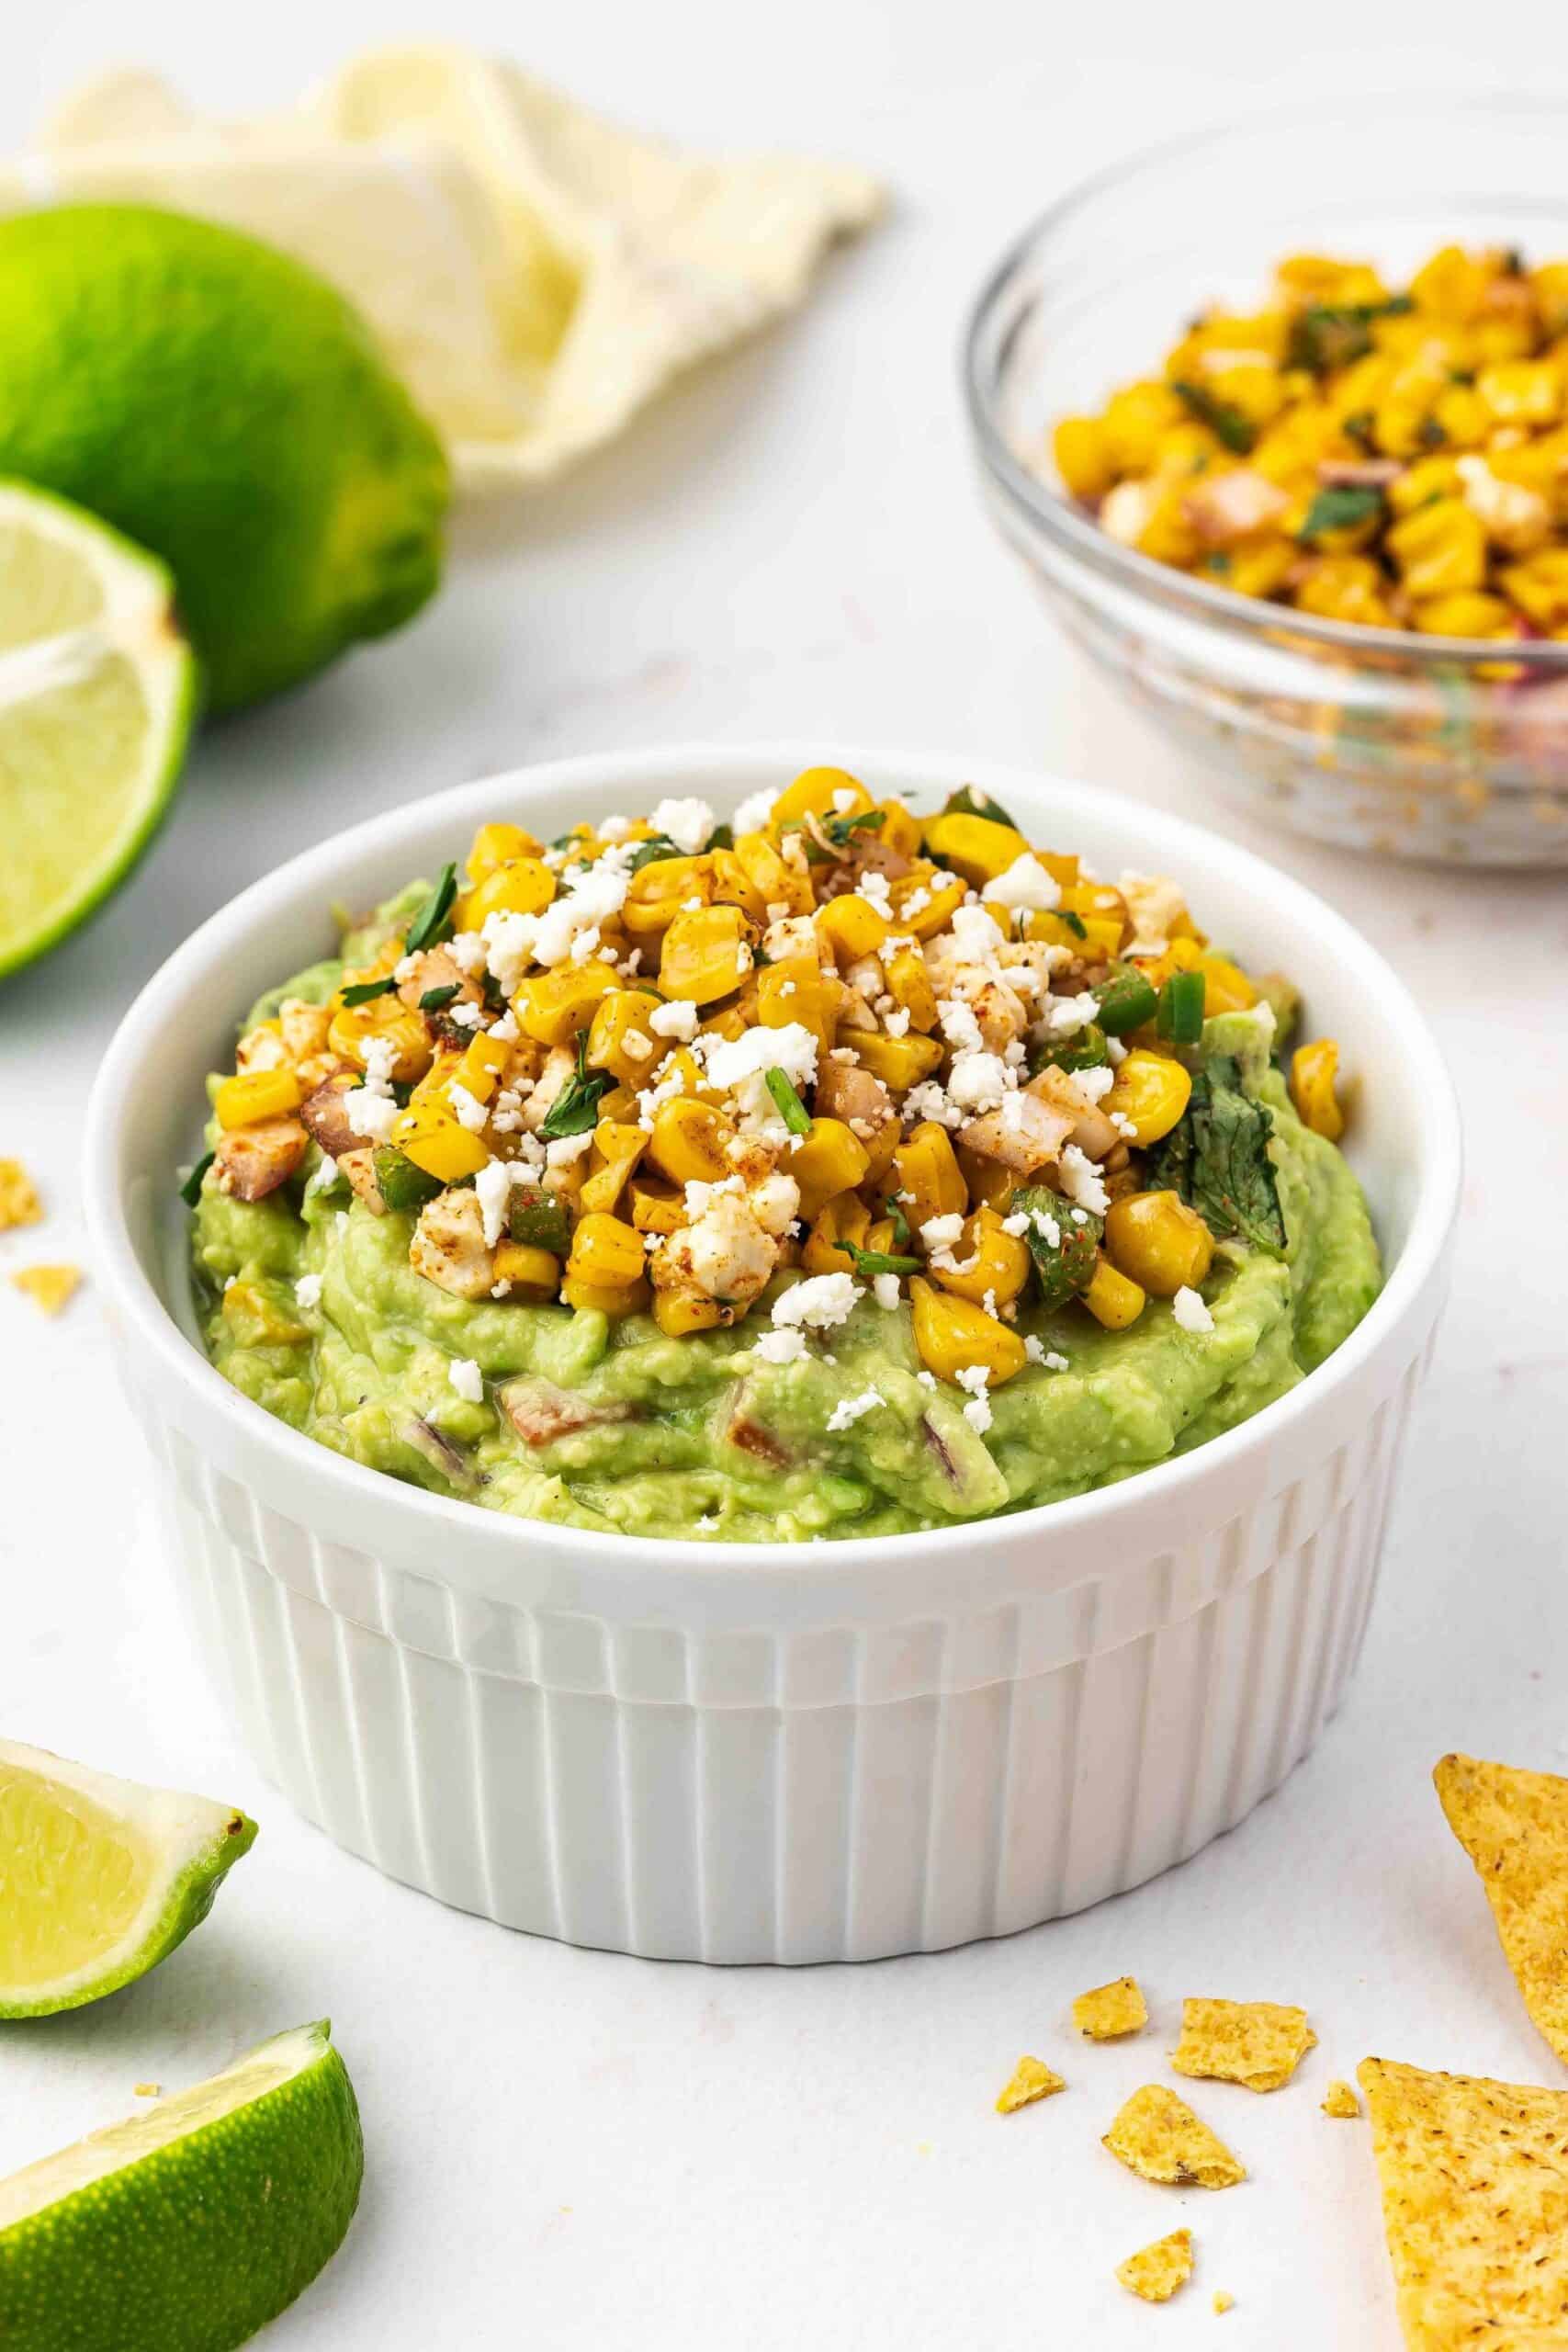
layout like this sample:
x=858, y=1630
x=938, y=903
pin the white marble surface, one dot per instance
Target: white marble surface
x=571, y=2148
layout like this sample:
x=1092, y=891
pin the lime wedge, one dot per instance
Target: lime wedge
x=97, y=690
x=99, y=1879
x=188, y=2226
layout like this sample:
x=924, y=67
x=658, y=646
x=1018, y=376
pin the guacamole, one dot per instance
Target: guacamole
x=840, y=1388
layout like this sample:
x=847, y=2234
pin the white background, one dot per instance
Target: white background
x=571, y=2149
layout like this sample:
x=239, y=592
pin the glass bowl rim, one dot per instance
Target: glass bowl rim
x=1063, y=522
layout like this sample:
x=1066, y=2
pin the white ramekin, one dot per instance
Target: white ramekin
x=775, y=1753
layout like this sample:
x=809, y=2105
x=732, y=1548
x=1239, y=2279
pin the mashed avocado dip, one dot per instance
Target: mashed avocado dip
x=1105, y=1297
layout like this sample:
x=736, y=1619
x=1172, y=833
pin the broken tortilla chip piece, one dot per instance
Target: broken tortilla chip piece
x=19, y=1203
x=1032, y=2079
x=1111, y=2010
x=1339, y=2099
x=1513, y=1826
x=1255, y=2042
x=51, y=1287
x=1474, y=2179
x=1156, y=2271
x=1158, y=2136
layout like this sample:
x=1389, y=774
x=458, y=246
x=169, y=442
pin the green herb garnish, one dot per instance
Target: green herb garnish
x=1126, y=1001
x=1432, y=434
x=1237, y=432
x=427, y=924
x=364, y=990
x=1180, y=1016
x=1340, y=507
x=576, y=1107
x=791, y=1109
x=721, y=837
x=437, y=1000
x=877, y=1262
x=901, y=1222
x=1358, y=428
x=1326, y=335
x=190, y=1191
x=1064, y=1268
x=969, y=802
x=1074, y=924
x=1216, y=1157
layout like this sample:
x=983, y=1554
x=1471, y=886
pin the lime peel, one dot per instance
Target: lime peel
x=187, y=2226
x=102, y=1877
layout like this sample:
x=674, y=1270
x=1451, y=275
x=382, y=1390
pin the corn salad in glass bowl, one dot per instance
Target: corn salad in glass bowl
x=839, y=1169
x=1325, y=546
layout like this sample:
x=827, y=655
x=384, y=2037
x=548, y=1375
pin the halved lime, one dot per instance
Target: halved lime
x=97, y=691
x=99, y=1877
x=188, y=2226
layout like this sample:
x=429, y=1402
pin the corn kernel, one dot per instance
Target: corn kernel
x=898, y=1062
x=254, y=1095
x=1151, y=1091
x=437, y=1141
x=618, y=1017
x=909, y=984
x=927, y=1174
x=533, y=1273
x=553, y=1006
x=851, y=927
x=525, y=886
x=815, y=792
x=497, y=845
x=657, y=891
x=953, y=1334
x=690, y=1141
x=614, y=1300
x=1083, y=460
x=976, y=847
x=677, y=1313
x=605, y=1250
x=1313, y=1069
x=831, y=1160
x=706, y=954
x=1158, y=1242
x=1111, y=1299
x=993, y=1261
x=843, y=1218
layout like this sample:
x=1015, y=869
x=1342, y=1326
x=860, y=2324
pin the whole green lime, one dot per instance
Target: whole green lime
x=228, y=409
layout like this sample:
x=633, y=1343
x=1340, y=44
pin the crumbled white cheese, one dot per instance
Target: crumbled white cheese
x=976, y=938
x=1081, y=1180
x=959, y=1026
x=467, y=951
x=565, y=1148
x=678, y=1019
x=1094, y=1085
x=1025, y=884
x=1190, y=1312
x=979, y=1082
x=792, y=1050
x=896, y=1024
x=885, y=1290
x=1065, y=1014
x=467, y=1379
x=493, y=1185
x=846, y=1413
x=821, y=1301
x=687, y=823
x=942, y=1232
x=509, y=946
x=779, y=1347
x=975, y=1378
x=753, y=813
x=308, y=1290
x=369, y=1113
x=614, y=829
x=470, y=1111
x=325, y=1176
x=843, y=801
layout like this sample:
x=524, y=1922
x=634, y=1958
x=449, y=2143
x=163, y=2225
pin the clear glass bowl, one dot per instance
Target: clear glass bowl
x=1373, y=739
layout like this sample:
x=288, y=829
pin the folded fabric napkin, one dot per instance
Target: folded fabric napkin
x=535, y=273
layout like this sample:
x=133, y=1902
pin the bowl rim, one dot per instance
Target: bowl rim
x=147, y=1322
x=1062, y=518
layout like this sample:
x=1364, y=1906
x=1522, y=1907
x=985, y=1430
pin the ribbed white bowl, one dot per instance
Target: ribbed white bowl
x=781, y=1753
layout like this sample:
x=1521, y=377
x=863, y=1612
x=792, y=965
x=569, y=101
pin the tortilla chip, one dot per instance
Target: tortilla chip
x=1111, y=2010
x=1255, y=2042
x=1158, y=2136
x=49, y=1287
x=1032, y=2079
x=1475, y=2205
x=1513, y=1826
x=19, y=1203
x=533, y=272
x=1339, y=2099
x=1156, y=2271
x=1224, y=2302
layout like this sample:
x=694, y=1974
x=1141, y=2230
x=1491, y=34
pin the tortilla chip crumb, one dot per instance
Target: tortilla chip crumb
x=1513, y=1826
x=1111, y=2010
x=1156, y=2271
x=1224, y=2302
x=1474, y=2178
x=148, y=2090
x=1032, y=2079
x=19, y=1203
x=1254, y=2042
x=1158, y=2136
x=1340, y=2099
x=51, y=1287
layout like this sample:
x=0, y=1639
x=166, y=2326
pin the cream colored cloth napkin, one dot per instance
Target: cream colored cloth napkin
x=534, y=273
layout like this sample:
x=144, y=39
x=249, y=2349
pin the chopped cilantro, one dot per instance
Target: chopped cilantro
x=970, y=802
x=364, y=990
x=576, y=1107
x=1340, y=507
x=1326, y=335
x=1217, y=1158
x=657, y=845
x=437, y=1000
x=1358, y=428
x=1064, y=1268
x=428, y=923
x=1237, y=432
x=899, y=1221
x=877, y=1262
x=190, y=1191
